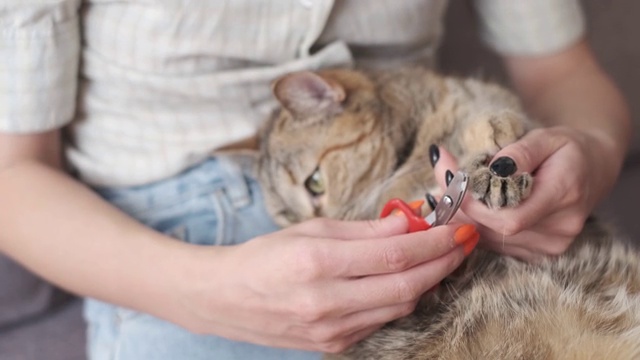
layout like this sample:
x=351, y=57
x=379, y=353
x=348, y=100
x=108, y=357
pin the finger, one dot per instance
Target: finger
x=446, y=162
x=343, y=329
x=532, y=149
x=337, y=335
x=528, y=244
x=255, y=336
x=449, y=164
x=548, y=195
x=554, y=187
x=528, y=153
x=348, y=341
x=375, y=318
x=303, y=337
x=398, y=253
x=347, y=230
x=397, y=288
x=296, y=341
x=517, y=252
x=552, y=236
x=564, y=223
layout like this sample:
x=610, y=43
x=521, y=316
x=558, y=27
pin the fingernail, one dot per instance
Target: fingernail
x=464, y=233
x=395, y=219
x=434, y=154
x=431, y=201
x=503, y=166
x=448, y=177
x=416, y=206
x=394, y=214
x=470, y=244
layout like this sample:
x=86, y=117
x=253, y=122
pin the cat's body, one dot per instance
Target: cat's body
x=347, y=141
x=583, y=305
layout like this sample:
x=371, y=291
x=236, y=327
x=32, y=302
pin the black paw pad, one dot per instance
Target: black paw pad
x=503, y=167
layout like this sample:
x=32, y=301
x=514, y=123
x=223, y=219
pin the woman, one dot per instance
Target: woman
x=146, y=90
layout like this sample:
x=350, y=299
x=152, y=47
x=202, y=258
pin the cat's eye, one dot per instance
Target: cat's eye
x=314, y=183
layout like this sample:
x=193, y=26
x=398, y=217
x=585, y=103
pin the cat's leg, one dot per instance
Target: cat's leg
x=497, y=184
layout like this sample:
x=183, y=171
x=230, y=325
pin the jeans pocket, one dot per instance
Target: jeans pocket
x=197, y=220
x=247, y=222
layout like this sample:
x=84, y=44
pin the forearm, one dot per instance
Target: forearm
x=571, y=89
x=64, y=232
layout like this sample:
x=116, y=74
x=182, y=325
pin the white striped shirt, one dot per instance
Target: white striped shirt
x=150, y=87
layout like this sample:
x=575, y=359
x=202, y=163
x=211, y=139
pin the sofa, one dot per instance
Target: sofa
x=39, y=322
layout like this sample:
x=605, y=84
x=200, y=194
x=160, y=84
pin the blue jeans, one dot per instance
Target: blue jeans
x=215, y=203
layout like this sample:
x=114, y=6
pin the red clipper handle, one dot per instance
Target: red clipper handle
x=411, y=211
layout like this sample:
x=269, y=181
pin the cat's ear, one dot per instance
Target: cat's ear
x=306, y=94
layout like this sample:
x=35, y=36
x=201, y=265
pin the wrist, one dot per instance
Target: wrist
x=160, y=274
x=181, y=282
x=607, y=156
x=610, y=149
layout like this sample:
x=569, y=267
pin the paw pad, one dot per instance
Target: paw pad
x=497, y=185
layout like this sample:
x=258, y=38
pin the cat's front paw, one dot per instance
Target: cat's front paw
x=497, y=185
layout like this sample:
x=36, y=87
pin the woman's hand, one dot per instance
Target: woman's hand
x=321, y=285
x=572, y=171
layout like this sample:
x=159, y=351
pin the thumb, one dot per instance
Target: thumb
x=348, y=230
x=526, y=154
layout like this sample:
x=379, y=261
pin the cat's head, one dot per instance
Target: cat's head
x=325, y=152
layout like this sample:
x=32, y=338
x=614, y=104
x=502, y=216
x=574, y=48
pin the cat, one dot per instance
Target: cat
x=345, y=141
x=386, y=121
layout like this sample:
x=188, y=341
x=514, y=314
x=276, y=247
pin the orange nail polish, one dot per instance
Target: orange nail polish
x=416, y=206
x=464, y=233
x=470, y=244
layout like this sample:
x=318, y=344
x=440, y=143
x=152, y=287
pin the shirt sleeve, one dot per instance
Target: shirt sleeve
x=39, y=56
x=530, y=27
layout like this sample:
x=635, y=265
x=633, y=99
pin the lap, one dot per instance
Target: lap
x=216, y=203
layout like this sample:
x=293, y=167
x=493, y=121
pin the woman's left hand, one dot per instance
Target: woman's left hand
x=573, y=170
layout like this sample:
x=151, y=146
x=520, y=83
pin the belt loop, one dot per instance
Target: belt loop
x=236, y=186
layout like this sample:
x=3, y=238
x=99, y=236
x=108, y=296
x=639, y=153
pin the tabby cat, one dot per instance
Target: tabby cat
x=346, y=141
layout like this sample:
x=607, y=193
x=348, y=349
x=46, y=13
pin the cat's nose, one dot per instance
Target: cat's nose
x=503, y=166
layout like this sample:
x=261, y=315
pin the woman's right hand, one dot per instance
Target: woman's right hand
x=321, y=285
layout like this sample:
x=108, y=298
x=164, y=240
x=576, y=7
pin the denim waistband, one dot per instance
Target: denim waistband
x=226, y=172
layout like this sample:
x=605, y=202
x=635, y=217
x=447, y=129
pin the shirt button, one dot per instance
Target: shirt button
x=306, y=3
